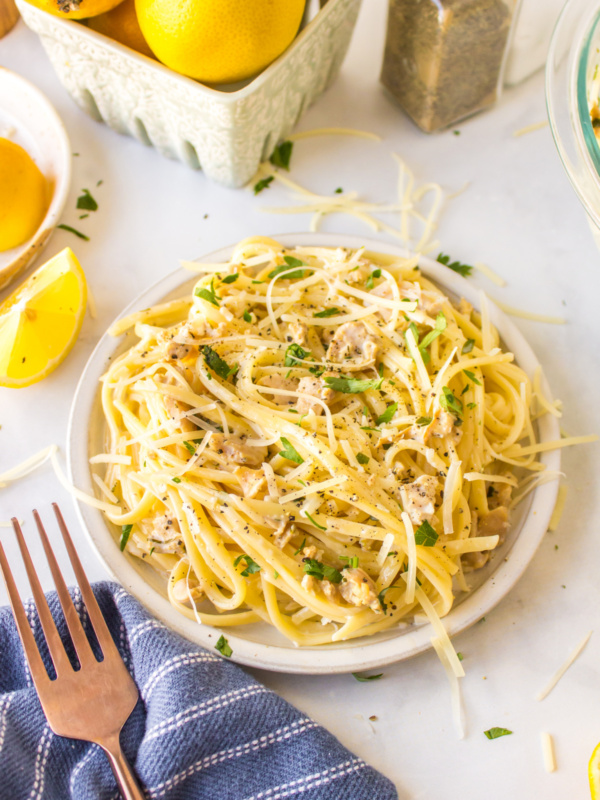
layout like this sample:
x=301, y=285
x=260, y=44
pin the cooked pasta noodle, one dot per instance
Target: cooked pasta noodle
x=315, y=440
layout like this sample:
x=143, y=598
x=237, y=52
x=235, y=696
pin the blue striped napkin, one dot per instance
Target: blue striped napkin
x=203, y=729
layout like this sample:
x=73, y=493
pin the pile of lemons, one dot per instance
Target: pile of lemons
x=213, y=41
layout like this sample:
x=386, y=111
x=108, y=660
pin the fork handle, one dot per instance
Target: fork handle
x=124, y=774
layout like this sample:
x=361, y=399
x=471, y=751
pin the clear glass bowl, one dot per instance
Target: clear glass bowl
x=572, y=79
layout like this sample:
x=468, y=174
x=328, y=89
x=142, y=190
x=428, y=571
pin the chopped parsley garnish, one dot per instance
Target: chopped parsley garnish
x=425, y=535
x=176, y=480
x=189, y=446
x=208, y=294
x=352, y=385
x=280, y=157
x=451, y=403
x=223, y=647
x=339, y=190
x=321, y=571
x=125, y=533
x=471, y=406
x=251, y=566
x=231, y=278
x=246, y=316
x=352, y=561
x=301, y=548
x=460, y=656
x=262, y=184
x=316, y=524
x=440, y=325
x=329, y=312
x=382, y=594
x=387, y=414
x=424, y=421
x=495, y=733
x=86, y=202
x=216, y=363
x=76, y=232
x=294, y=355
x=468, y=346
x=290, y=262
x=462, y=269
x=471, y=375
x=362, y=458
x=365, y=678
x=375, y=274
x=275, y=574
x=290, y=452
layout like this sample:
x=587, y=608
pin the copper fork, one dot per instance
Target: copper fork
x=94, y=702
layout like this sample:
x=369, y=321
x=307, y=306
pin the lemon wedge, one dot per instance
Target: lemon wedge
x=594, y=773
x=40, y=321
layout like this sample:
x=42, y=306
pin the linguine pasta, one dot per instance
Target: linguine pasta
x=319, y=438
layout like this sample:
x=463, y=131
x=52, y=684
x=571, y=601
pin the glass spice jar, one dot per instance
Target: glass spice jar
x=444, y=59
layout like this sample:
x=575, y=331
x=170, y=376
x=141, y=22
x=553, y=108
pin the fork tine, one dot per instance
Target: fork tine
x=80, y=640
x=53, y=640
x=97, y=619
x=32, y=654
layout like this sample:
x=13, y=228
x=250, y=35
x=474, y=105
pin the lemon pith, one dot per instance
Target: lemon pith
x=219, y=41
x=23, y=195
x=40, y=321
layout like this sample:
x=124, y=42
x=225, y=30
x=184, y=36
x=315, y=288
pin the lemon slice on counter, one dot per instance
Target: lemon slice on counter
x=40, y=321
x=594, y=773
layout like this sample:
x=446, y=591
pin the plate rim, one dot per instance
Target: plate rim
x=357, y=656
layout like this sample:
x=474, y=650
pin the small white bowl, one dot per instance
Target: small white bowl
x=259, y=645
x=27, y=118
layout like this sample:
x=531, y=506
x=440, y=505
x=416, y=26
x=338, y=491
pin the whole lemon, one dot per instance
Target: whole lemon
x=75, y=9
x=219, y=41
x=121, y=24
x=23, y=195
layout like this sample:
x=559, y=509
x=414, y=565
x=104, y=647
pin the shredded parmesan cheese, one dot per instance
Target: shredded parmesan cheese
x=548, y=752
x=518, y=312
x=560, y=672
x=558, y=508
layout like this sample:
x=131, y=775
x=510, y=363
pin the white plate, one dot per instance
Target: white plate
x=27, y=118
x=259, y=645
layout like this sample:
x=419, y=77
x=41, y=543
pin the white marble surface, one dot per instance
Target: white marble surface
x=519, y=215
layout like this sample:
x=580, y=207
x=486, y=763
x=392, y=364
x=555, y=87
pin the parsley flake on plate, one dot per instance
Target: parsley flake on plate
x=365, y=678
x=208, y=294
x=125, y=533
x=329, y=312
x=223, y=647
x=349, y=385
x=290, y=263
x=456, y=266
x=251, y=566
x=387, y=415
x=495, y=733
x=280, y=157
x=425, y=535
x=86, y=202
x=231, y=278
x=262, y=184
x=450, y=403
x=217, y=364
x=290, y=452
x=73, y=230
x=294, y=355
x=321, y=571
x=362, y=458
